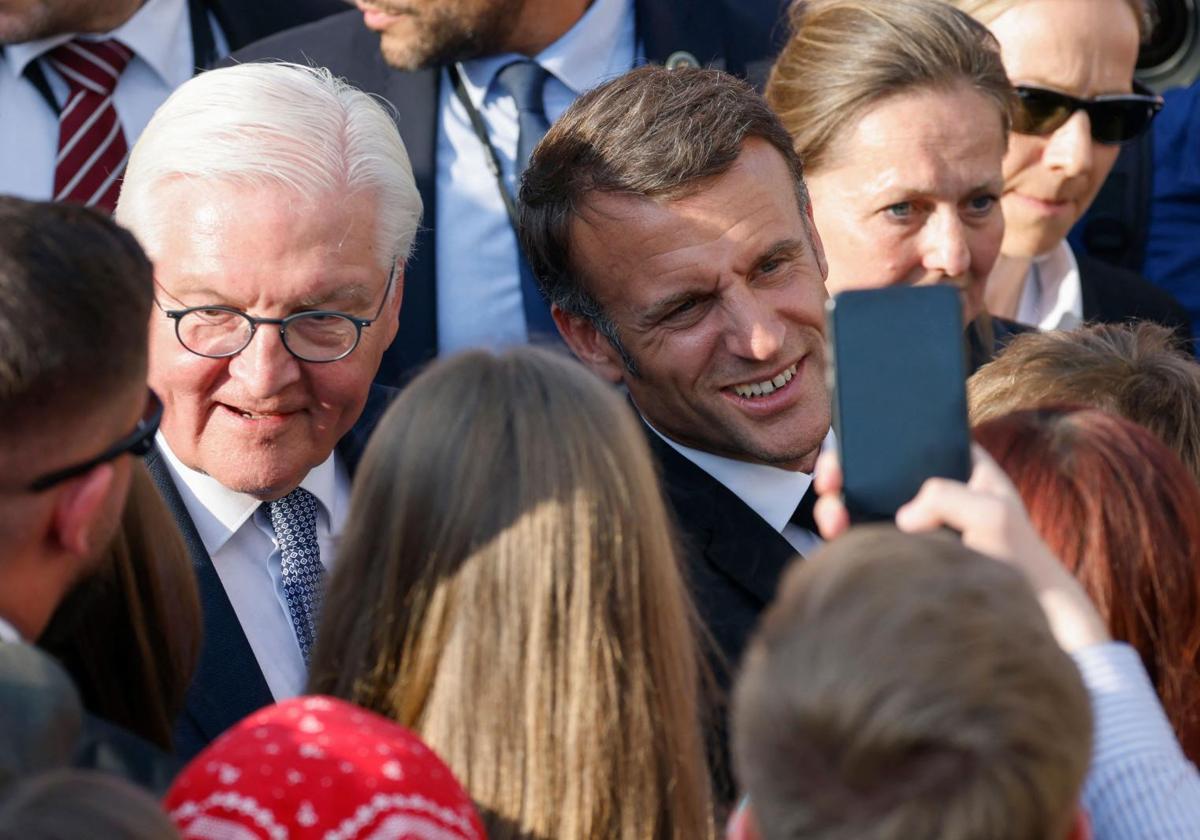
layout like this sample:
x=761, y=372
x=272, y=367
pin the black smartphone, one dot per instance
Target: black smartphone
x=898, y=375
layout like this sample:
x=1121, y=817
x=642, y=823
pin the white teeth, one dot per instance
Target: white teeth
x=768, y=386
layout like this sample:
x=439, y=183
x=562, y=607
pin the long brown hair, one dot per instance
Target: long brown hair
x=507, y=587
x=129, y=634
x=1123, y=513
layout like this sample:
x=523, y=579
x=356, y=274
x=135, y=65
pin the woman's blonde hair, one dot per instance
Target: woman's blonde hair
x=845, y=56
x=507, y=587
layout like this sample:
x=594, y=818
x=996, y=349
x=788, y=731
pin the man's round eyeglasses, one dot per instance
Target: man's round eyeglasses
x=320, y=335
x=137, y=442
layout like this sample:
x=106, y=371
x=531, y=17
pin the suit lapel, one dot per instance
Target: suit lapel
x=723, y=529
x=667, y=28
x=227, y=684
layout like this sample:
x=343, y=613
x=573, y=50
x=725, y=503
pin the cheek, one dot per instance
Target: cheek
x=1024, y=151
x=985, y=244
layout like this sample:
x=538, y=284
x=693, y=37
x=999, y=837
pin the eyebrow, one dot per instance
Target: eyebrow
x=660, y=308
x=354, y=295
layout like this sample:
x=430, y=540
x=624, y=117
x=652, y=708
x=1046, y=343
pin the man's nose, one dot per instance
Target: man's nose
x=1070, y=148
x=265, y=367
x=755, y=331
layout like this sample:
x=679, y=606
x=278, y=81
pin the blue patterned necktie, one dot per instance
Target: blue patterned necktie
x=525, y=81
x=294, y=518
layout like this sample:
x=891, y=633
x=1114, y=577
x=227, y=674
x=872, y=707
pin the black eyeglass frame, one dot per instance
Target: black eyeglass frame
x=359, y=325
x=1141, y=95
x=137, y=442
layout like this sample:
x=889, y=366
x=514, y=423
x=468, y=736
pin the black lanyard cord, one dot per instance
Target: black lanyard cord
x=480, y=128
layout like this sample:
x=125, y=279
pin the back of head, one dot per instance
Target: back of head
x=68, y=804
x=276, y=125
x=508, y=527
x=143, y=593
x=845, y=56
x=77, y=293
x=41, y=717
x=903, y=686
x=1136, y=371
x=1123, y=514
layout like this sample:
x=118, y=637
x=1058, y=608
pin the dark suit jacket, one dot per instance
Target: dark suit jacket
x=740, y=36
x=244, y=23
x=43, y=726
x=1113, y=295
x=228, y=684
x=733, y=559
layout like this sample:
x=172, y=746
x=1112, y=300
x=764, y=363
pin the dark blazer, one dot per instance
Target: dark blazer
x=733, y=559
x=244, y=23
x=43, y=725
x=228, y=684
x=741, y=36
x=1113, y=295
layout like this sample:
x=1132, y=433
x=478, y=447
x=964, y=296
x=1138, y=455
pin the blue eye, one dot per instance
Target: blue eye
x=981, y=205
x=902, y=210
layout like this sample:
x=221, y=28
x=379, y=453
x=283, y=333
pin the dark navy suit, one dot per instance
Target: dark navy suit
x=228, y=684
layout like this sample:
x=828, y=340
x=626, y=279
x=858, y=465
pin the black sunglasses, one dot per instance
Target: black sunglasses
x=1115, y=118
x=137, y=442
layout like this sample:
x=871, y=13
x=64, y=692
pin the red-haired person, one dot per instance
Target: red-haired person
x=1123, y=514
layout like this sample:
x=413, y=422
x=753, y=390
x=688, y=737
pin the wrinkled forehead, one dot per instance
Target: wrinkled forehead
x=248, y=244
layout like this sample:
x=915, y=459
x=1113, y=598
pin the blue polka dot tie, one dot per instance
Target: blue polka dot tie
x=294, y=518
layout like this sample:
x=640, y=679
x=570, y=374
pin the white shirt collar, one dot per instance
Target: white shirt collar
x=152, y=33
x=227, y=510
x=1052, y=297
x=591, y=51
x=8, y=633
x=771, y=492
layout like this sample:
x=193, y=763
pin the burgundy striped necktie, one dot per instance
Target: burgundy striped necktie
x=91, y=142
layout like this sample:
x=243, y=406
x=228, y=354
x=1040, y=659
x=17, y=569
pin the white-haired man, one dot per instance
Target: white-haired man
x=278, y=206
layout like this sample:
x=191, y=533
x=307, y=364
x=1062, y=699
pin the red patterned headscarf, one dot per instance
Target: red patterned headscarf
x=316, y=767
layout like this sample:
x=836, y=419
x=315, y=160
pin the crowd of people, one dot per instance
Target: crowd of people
x=415, y=424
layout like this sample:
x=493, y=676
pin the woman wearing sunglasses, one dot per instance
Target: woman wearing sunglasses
x=1072, y=64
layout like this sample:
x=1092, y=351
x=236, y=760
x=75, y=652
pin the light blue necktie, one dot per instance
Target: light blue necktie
x=294, y=518
x=525, y=82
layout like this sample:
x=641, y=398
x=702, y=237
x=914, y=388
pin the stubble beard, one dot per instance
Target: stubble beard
x=441, y=36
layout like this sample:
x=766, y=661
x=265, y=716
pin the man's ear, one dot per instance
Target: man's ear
x=81, y=523
x=589, y=345
x=391, y=309
x=1081, y=826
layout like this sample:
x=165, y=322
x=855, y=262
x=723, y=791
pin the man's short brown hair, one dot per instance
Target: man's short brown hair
x=76, y=293
x=904, y=686
x=1134, y=370
x=651, y=132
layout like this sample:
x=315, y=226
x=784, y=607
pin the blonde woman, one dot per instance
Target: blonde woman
x=507, y=588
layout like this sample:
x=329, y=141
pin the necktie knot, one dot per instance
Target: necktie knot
x=524, y=81
x=802, y=516
x=294, y=520
x=91, y=65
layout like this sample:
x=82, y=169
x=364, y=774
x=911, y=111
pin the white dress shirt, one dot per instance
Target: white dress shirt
x=237, y=534
x=8, y=633
x=771, y=492
x=160, y=36
x=1052, y=297
x=478, y=279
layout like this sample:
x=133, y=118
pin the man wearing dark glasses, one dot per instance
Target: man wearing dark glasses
x=75, y=297
x=279, y=207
